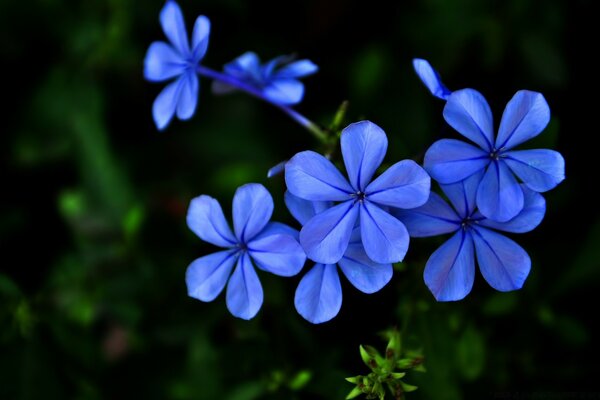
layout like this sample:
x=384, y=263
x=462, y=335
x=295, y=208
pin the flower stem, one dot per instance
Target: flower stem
x=313, y=128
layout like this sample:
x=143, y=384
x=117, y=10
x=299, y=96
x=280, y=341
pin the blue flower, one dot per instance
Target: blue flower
x=319, y=295
x=270, y=246
x=176, y=59
x=450, y=271
x=310, y=176
x=277, y=80
x=430, y=77
x=499, y=196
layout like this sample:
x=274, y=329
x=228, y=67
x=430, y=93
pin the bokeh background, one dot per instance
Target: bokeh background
x=93, y=238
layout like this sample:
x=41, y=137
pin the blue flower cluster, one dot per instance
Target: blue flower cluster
x=360, y=221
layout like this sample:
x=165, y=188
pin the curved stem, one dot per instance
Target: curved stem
x=296, y=116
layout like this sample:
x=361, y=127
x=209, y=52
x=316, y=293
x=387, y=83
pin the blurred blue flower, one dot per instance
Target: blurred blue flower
x=277, y=80
x=430, y=77
x=176, y=59
x=499, y=196
x=450, y=271
x=272, y=247
x=319, y=295
x=310, y=176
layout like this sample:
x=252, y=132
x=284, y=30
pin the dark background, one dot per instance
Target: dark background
x=94, y=243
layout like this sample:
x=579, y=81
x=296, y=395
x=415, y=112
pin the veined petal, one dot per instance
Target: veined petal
x=451, y=160
x=278, y=254
x=252, y=210
x=364, y=274
x=499, y=196
x=244, y=291
x=171, y=20
x=468, y=112
x=503, y=263
x=297, y=69
x=277, y=228
x=430, y=77
x=284, y=91
x=162, y=62
x=403, y=185
x=326, y=236
x=463, y=194
x=540, y=169
x=188, y=96
x=384, y=237
x=311, y=176
x=525, y=116
x=200, y=36
x=450, y=271
x=364, y=145
x=433, y=218
x=304, y=210
x=319, y=295
x=534, y=209
x=205, y=218
x=163, y=108
x=206, y=277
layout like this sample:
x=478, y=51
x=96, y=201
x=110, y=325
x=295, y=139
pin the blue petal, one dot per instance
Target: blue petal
x=304, y=210
x=463, y=194
x=450, y=271
x=246, y=66
x=468, y=112
x=173, y=25
x=162, y=62
x=277, y=228
x=311, y=176
x=525, y=116
x=284, y=91
x=403, y=185
x=529, y=218
x=503, y=263
x=244, y=291
x=252, y=210
x=499, y=196
x=451, y=160
x=541, y=170
x=165, y=104
x=206, y=277
x=433, y=218
x=363, y=147
x=297, y=69
x=200, y=36
x=278, y=254
x=364, y=274
x=326, y=236
x=205, y=218
x=188, y=96
x=384, y=237
x=430, y=77
x=319, y=295
x=276, y=169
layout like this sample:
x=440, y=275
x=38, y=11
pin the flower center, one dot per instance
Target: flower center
x=242, y=247
x=467, y=222
x=359, y=196
x=496, y=154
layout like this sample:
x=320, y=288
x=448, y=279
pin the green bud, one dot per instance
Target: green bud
x=408, y=388
x=354, y=393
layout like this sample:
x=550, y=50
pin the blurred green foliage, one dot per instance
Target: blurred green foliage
x=93, y=303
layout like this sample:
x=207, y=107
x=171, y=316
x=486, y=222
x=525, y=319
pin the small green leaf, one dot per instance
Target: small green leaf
x=354, y=393
x=398, y=375
x=408, y=388
x=300, y=380
x=354, y=379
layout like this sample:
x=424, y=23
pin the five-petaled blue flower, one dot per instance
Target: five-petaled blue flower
x=165, y=61
x=310, y=176
x=319, y=295
x=450, y=271
x=431, y=79
x=499, y=196
x=276, y=80
x=271, y=246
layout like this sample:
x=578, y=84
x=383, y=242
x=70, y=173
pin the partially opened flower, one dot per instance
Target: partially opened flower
x=310, y=176
x=277, y=79
x=499, y=196
x=431, y=79
x=319, y=295
x=272, y=247
x=176, y=59
x=450, y=271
